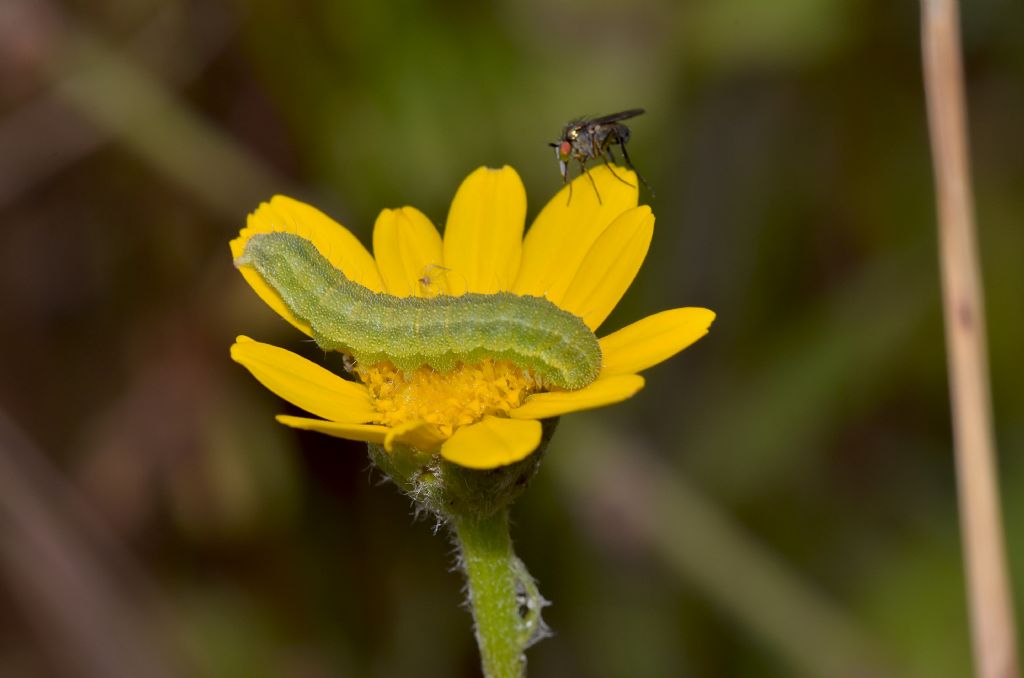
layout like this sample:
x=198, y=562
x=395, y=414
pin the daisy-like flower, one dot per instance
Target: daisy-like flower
x=580, y=255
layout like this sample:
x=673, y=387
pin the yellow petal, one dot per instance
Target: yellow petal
x=484, y=232
x=563, y=232
x=303, y=383
x=419, y=434
x=610, y=266
x=649, y=341
x=286, y=215
x=409, y=253
x=604, y=391
x=492, y=442
x=367, y=433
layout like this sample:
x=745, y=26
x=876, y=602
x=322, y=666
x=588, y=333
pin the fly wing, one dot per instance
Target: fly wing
x=616, y=117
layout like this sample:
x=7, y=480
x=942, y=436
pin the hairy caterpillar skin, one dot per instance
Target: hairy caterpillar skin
x=441, y=331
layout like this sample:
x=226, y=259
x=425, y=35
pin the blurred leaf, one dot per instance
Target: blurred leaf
x=759, y=35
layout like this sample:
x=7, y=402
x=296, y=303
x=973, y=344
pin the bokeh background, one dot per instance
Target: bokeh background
x=779, y=501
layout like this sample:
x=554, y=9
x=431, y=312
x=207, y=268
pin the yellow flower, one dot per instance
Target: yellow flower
x=581, y=255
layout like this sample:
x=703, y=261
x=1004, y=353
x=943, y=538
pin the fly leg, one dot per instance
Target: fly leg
x=583, y=168
x=565, y=180
x=629, y=163
x=611, y=168
x=607, y=155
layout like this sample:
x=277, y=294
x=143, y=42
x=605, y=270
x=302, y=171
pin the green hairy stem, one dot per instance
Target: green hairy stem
x=475, y=503
x=504, y=598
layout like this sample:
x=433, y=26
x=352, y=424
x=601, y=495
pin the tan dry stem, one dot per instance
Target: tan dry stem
x=988, y=584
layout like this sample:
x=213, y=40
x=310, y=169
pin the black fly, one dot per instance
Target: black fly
x=588, y=138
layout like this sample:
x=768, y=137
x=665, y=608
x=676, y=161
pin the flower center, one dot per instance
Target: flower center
x=449, y=400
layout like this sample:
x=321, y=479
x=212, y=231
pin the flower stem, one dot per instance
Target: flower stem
x=503, y=597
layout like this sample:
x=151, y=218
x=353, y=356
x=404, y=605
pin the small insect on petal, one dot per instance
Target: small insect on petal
x=589, y=139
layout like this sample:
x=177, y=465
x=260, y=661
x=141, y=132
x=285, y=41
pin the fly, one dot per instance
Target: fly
x=588, y=138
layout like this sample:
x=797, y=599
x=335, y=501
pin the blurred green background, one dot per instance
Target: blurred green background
x=779, y=500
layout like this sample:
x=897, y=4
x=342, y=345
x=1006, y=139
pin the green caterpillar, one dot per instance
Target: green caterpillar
x=441, y=332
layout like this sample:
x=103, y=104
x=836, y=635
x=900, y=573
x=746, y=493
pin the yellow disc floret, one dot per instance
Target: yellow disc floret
x=448, y=400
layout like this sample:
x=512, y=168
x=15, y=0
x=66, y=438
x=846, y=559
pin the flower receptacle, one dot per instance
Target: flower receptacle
x=453, y=492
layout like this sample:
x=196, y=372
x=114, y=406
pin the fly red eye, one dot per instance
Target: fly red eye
x=563, y=150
